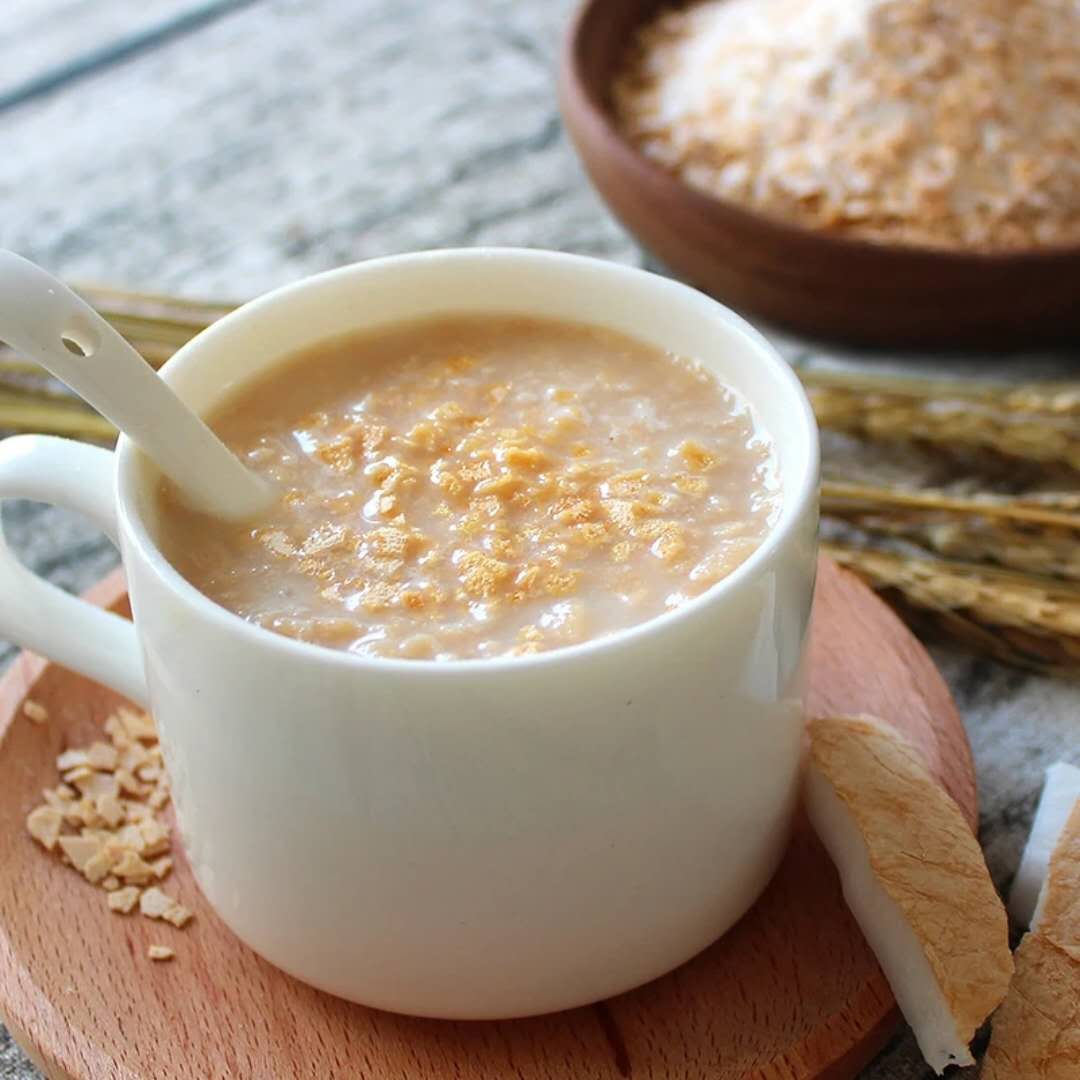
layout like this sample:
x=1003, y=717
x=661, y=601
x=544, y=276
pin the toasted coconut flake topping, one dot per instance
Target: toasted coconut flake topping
x=102, y=820
x=44, y=824
x=154, y=903
x=124, y=900
x=35, y=712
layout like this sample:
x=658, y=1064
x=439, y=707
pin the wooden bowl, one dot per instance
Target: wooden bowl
x=831, y=286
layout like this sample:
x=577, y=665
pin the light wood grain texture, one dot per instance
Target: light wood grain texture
x=792, y=992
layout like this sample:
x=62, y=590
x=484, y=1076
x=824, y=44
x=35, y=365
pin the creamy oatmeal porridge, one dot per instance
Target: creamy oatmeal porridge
x=478, y=486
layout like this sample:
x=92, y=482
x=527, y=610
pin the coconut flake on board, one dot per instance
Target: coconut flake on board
x=106, y=836
x=1036, y=1032
x=1060, y=795
x=915, y=879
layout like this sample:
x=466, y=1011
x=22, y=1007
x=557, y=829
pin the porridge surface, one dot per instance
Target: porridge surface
x=479, y=486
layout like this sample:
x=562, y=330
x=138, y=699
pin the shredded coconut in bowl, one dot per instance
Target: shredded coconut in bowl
x=943, y=123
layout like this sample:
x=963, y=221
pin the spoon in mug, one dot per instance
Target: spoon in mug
x=45, y=321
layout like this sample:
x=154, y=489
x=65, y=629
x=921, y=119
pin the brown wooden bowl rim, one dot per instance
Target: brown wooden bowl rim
x=576, y=97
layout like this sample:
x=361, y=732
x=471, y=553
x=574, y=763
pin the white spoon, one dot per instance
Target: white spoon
x=45, y=321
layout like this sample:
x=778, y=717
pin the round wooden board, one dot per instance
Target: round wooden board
x=792, y=992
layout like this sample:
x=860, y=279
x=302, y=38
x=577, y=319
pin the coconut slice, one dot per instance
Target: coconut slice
x=1057, y=917
x=915, y=879
x=1037, y=1030
x=1060, y=795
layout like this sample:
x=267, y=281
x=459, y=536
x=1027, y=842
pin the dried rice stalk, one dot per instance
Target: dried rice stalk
x=1020, y=619
x=26, y=411
x=1039, y=535
x=156, y=325
x=165, y=318
x=1053, y=398
x=1033, y=424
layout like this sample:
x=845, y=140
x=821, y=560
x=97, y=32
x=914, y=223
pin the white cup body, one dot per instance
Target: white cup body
x=494, y=838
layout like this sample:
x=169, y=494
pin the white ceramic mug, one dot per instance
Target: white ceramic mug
x=473, y=839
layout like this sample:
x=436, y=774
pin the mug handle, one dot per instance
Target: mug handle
x=39, y=616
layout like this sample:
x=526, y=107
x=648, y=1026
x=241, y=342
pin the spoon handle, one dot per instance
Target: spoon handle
x=45, y=321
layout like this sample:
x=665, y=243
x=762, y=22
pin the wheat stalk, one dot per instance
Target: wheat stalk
x=157, y=325
x=1021, y=619
x=1038, y=535
x=1052, y=398
x=24, y=413
x=156, y=316
x=1032, y=424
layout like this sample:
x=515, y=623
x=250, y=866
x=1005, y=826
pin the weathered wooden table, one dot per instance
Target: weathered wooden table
x=222, y=147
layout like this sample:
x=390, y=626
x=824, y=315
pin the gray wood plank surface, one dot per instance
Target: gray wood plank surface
x=294, y=136
x=290, y=136
x=49, y=44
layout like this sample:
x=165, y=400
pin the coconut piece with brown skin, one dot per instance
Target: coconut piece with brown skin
x=915, y=879
x=1057, y=916
x=1037, y=1031
x=1060, y=794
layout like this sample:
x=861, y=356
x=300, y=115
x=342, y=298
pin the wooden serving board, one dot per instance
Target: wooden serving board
x=791, y=992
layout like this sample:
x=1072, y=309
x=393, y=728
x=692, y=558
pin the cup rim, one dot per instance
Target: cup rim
x=792, y=512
